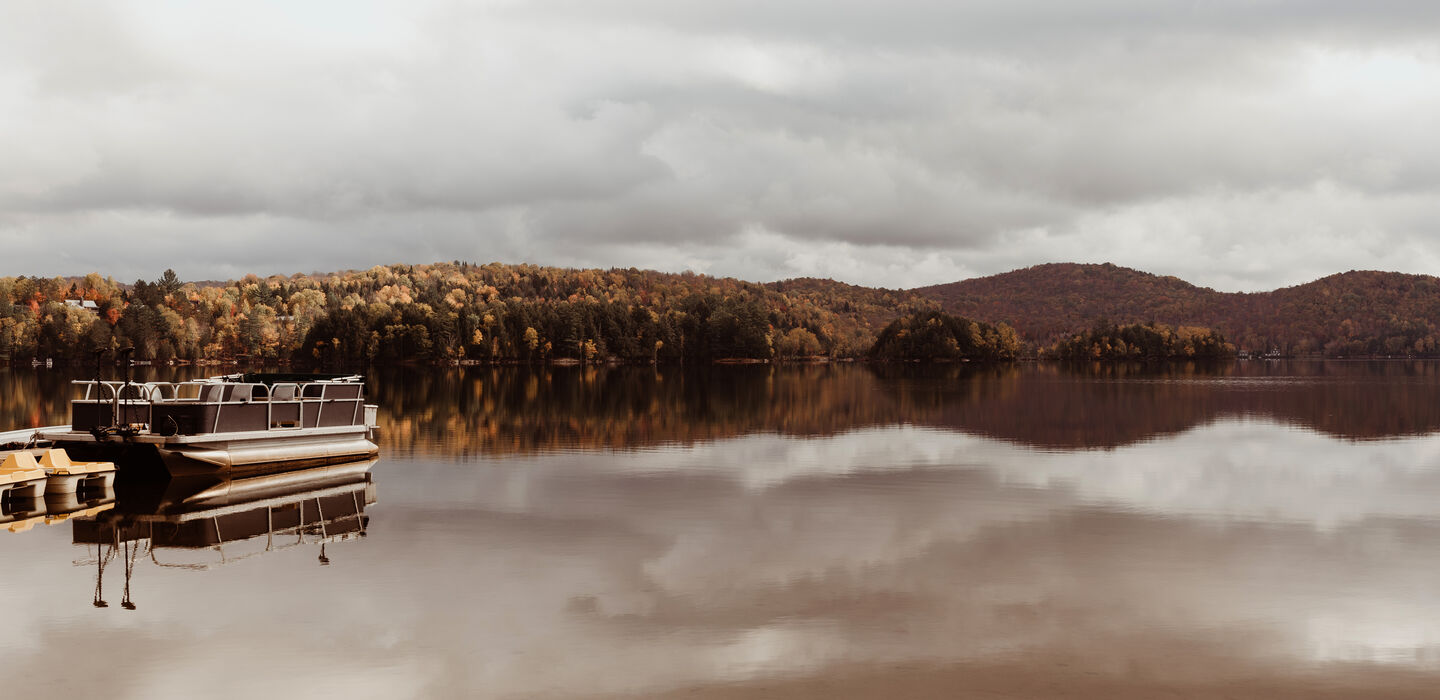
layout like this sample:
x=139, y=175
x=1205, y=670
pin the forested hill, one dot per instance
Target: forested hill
x=526, y=313
x=872, y=307
x=1046, y=302
x=1352, y=313
x=445, y=312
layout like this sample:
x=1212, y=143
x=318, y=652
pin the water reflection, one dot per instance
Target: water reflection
x=811, y=532
x=462, y=412
x=502, y=411
x=203, y=523
x=1239, y=549
x=21, y=514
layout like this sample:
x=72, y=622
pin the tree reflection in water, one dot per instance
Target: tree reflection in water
x=462, y=411
x=502, y=411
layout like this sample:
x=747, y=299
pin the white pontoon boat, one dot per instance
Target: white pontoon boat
x=235, y=425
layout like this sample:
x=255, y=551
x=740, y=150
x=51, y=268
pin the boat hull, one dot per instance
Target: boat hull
x=73, y=483
x=249, y=457
x=23, y=490
x=224, y=454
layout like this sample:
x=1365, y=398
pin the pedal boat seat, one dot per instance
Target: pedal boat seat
x=57, y=462
x=66, y=476
x=20, y=467
x=21, y=477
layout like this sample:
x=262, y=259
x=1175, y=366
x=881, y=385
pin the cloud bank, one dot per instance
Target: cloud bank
x=1240, y=145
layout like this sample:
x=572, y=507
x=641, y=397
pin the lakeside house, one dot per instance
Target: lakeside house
x=86, y=304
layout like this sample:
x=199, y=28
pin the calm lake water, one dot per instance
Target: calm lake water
x=1253, y=530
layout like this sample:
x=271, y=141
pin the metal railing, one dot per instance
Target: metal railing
x=221, y=394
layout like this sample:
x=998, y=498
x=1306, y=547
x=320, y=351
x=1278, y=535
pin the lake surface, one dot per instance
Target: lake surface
x=1252, y=530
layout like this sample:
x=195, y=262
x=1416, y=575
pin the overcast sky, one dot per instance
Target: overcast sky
x=1238, y=144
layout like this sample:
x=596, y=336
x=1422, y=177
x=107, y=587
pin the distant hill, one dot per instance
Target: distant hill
x=1351, y=313
x=1046, y=301
x=463, y=312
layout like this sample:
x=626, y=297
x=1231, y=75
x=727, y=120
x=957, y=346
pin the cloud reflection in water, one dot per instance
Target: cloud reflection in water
x=1239, y=545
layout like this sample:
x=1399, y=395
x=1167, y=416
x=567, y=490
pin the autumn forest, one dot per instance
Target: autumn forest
x=448, y=313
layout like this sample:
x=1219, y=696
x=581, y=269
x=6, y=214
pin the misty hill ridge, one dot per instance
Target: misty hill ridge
x=1357, y=312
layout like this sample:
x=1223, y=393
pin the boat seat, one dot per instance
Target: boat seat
x=283, y=392
x=58, y=461
x=213, y=393
x=20, y=466
x=57, y=458
x=18, y=461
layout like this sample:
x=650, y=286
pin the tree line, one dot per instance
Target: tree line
x=463, y=313
x=445, y=312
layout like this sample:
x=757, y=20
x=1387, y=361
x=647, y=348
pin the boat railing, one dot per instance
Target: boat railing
x=226, y=393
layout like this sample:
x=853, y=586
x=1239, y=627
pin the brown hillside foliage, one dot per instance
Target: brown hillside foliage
x=446, y=312
x=500, y=313
x=1353, y=313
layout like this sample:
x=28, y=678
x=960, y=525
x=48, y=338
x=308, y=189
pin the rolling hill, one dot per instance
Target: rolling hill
x=1351, y=313
x=453, y=312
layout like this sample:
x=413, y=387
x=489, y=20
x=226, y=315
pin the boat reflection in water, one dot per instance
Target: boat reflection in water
x=21, y=514
x=202, y=523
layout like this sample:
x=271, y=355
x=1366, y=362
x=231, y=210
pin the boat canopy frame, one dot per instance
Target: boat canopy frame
x=128, y=401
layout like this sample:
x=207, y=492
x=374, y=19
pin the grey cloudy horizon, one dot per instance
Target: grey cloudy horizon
x=1240, y=145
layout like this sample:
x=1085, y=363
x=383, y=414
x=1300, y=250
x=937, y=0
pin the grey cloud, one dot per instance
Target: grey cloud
x=78, y=51
x=736, y=138
x=1008, y=24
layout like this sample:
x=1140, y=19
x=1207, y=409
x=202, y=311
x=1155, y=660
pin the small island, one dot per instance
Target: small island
x=940, y=337
x=1136, y=341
